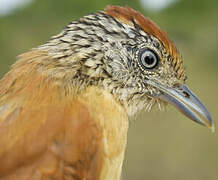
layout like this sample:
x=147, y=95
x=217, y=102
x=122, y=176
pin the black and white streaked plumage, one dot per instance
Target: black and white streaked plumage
x=66, y=103
x=105, y=51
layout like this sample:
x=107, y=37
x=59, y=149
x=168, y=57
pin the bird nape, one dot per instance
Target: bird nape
x=64, y=106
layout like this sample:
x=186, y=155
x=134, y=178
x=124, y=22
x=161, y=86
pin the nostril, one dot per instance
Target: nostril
x=186, y=94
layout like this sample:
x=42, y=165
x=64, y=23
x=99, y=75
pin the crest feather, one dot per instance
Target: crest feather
x=129, y=16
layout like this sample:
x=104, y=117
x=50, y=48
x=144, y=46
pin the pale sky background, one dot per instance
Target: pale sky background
x=156, y=4
x=8, y=6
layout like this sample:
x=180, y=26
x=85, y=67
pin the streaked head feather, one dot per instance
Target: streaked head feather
x=131, y=17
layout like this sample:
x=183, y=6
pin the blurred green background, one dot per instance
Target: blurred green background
x=161, y=145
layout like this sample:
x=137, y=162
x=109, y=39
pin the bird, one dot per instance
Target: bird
x=65, y=105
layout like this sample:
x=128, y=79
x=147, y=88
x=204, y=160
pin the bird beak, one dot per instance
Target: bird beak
x=186, y=102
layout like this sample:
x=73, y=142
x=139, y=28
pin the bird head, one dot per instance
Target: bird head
x=128, y=55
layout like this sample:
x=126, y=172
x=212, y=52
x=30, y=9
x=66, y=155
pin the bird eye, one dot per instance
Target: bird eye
x=148, y=59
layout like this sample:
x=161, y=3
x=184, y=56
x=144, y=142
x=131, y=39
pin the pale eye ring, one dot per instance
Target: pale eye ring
x=148, y=59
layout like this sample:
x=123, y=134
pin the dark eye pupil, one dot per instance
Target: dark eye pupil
x=149, y=59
